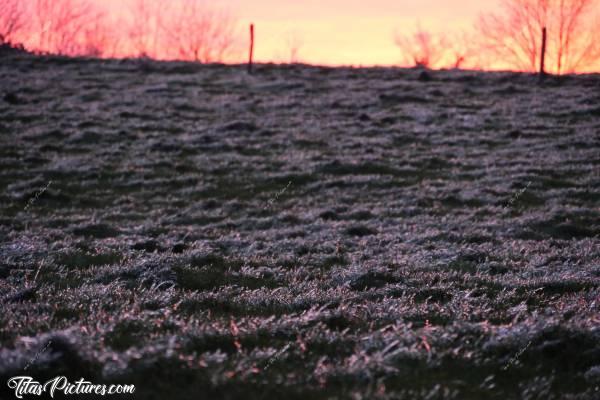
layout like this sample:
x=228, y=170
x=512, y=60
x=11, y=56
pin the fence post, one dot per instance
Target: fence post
x=543, y=56
x=251, y=56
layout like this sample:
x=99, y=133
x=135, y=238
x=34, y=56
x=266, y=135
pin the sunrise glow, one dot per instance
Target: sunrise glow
x=338, y=32
x=333, y=33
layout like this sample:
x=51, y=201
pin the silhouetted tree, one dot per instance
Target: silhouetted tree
x=12, y=20
x=422, y=48
x=58, y=25
x=198, y=32
x=515, y=35
x=146, y=30
x=99, y=38
x=462, y=50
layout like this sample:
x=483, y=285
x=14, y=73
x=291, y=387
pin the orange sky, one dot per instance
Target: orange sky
x=331, y=32
x=341, y=32
x=355, y=32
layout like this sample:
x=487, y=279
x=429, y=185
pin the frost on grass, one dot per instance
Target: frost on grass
x=431, y=232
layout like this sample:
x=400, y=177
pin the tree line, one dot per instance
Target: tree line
x=193, y=30
x=183, y=29
x=512, y=37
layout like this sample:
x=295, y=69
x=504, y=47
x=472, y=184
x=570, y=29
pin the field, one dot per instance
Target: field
x=299, y=233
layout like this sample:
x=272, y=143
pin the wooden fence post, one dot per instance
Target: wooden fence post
x=543, y=56
x=251, y=56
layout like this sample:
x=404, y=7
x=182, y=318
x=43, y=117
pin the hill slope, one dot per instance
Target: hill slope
x=305, y=231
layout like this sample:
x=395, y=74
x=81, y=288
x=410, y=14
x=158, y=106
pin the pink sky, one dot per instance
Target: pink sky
x=333, y=32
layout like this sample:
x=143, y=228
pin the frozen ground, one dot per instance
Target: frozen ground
x=299, y=233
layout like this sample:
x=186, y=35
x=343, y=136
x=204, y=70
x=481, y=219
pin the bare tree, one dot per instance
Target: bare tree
x=574, y=35
x=197, y=32
x=462, y=51
x=515, y=35
x=59, y=24
x=146, y=26
x=12, y=20
x=99, y=37
x=422, y=48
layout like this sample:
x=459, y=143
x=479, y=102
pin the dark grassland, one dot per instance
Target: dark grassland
x=438, y=239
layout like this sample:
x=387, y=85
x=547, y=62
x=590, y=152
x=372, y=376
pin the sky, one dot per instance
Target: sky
x=325, y=32
x=355, y=32
x=359, y=32
x=342, y=32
